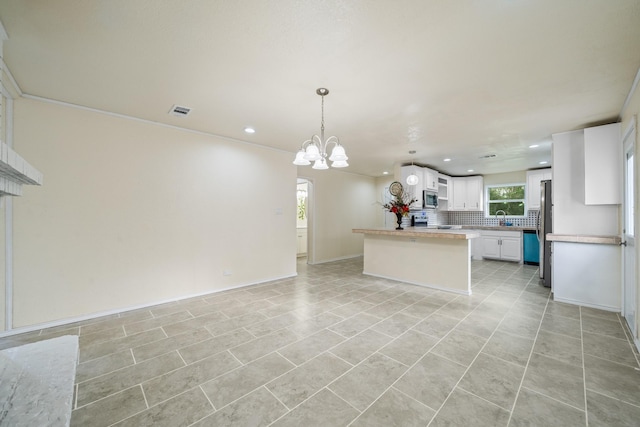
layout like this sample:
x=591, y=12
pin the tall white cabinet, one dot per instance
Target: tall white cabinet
x=534, y=177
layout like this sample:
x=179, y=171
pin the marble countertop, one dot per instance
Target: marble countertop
x=584, y=238
x=498, y=227
x=420, y=232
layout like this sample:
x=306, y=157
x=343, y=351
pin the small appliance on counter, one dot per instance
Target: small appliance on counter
x=419, y=220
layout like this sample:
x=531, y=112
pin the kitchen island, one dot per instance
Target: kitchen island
x=438, y=259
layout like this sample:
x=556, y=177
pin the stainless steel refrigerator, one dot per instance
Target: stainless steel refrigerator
x=544, y=227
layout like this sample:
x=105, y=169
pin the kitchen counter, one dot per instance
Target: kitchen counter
x=584, y=238
x=498, y=227
x=434, y=258
x=420, y=232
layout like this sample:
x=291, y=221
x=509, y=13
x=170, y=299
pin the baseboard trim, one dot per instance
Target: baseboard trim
x=324, y=261
x=70, y=320
x=584, y=304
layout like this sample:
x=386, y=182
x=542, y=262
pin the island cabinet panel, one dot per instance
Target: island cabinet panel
x=439, y=259
x=437, y=263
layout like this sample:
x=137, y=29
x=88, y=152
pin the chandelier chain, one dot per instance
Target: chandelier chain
x=322, y=121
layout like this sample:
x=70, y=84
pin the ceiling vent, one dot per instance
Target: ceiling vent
x=487, y=156
x=180, y=111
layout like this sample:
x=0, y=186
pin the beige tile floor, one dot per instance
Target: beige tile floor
x=332, y=347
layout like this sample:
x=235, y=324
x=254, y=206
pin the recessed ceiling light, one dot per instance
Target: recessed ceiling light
x=534, y=146
x=446, y=160
x=543, y=162
x=385, y=173
x=469, y=170
x=249, y=130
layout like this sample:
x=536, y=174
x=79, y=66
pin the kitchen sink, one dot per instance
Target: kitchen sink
x=449, y=227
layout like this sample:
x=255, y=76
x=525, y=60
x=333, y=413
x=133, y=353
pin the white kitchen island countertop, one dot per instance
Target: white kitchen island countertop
x=421, y=232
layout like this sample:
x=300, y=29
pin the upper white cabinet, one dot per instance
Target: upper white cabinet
x=414, y=190
x=430, y=179
x=602, y=165
x=534, y=178
x=445, y=189
x=467, y=193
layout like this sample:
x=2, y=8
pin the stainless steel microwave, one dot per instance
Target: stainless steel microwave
x=429, y=199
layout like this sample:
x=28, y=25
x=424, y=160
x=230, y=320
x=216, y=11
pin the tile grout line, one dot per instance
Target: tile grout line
x=628, y=334
x=636, y=405
x=276, y=397
x=524, y=374
x=438, y=342
x=584, y=371
x=493, y=292
x=333, y=347
x=554, y=399
x=480, y=351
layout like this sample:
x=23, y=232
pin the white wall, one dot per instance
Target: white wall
x=133, y=213
x=339, y=202
x=519, y=177
x=384, y=218
x=570, y=214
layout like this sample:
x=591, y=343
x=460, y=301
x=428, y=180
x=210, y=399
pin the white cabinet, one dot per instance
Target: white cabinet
x=602, y=170
x=445, y=188
x=468, y=194
x=302, y=241
x=414, y=190
x=430, y=179
x=533, y=186
x=505, y=245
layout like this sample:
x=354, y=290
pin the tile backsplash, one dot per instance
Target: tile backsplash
x=478, y=218
x=442, y=217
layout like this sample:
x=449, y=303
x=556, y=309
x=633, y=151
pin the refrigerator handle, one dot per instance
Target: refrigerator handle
x=538, y=225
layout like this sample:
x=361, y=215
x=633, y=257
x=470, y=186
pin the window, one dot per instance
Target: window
x=508, y=198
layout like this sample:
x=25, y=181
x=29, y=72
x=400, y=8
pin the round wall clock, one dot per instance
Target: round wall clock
x=395, y=189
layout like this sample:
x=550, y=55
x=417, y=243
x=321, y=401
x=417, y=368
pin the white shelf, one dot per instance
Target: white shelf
x=15, y=171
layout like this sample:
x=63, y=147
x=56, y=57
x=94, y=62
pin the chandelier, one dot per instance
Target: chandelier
x=315, y=149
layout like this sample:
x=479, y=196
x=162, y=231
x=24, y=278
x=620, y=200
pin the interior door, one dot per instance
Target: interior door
x=628, y=237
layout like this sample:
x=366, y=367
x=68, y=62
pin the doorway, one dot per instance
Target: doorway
x=304, y=220
x=628, y=233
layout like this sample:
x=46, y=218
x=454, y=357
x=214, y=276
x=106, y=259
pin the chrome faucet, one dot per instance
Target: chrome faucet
x=504, y=217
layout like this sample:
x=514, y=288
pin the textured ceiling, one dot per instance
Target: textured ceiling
x=458, y=79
